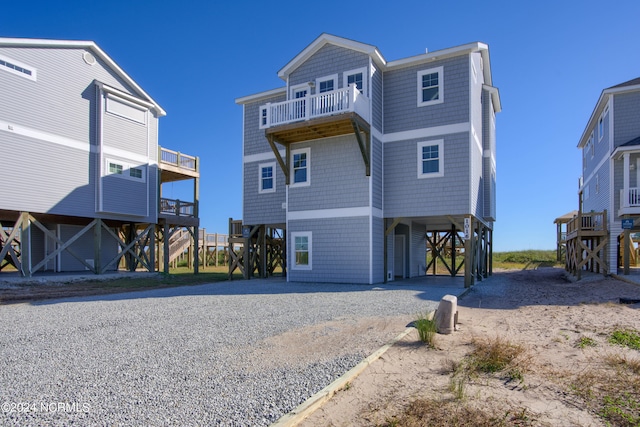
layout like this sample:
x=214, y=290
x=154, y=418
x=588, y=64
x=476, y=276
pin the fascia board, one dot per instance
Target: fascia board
x=444, y=53
x=495, y=97
x=262, y=95
x=84, y=44
x=323, y=40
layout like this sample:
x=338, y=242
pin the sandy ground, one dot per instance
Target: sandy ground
x=538, y=309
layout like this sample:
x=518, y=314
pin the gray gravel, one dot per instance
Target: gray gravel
x=186, y=356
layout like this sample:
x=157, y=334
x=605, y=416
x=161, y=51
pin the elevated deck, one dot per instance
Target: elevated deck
x=586, y=243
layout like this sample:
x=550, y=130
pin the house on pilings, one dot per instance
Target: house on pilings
x=82, y=169
x=602, y=238
x=373, y=169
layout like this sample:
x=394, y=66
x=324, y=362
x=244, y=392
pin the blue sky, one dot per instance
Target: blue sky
x=550, y=61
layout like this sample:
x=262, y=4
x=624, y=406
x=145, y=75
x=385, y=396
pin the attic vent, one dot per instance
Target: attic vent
x=88, y=58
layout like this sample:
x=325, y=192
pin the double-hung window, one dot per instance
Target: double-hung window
x=302, y=244
x=300, y=167
x=431, y=159
x=356, y=77
x=430, y=87
x=267, y=177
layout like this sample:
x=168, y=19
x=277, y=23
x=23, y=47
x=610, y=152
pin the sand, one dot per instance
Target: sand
x=538, y=309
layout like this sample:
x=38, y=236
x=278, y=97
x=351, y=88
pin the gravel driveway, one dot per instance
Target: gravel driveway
x=230, y=354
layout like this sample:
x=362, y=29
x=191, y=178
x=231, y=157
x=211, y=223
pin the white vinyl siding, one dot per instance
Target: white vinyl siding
x=18, y=68
x=125, y=109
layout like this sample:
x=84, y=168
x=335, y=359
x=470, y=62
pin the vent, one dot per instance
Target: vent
x=88, y=58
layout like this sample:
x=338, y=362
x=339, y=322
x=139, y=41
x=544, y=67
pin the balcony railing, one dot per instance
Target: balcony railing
x=587, y=222
x=177, y=207
x=631, y=199
x=315, y=106
x=177, y=159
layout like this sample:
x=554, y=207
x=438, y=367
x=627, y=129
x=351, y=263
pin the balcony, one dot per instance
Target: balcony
x=587, y=224
x=316, y=116
x=324, y=115
x=629, y=201
x=176, y=166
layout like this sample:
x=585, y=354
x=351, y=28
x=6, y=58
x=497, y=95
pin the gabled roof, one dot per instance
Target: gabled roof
x=323, y=40
x=82, y=44
x=628, y=86
x=377, y=58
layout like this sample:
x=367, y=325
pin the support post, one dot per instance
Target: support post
x=97, y=245
x=468, y=252
x=25, y=243
x=165, y=241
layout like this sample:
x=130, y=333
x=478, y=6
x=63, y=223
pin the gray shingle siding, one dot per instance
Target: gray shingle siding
x=254, y=139
x=626, y=107
x=340, y=250
x=376, y=97
x=401, y=111
x=378, y=249
x=328, y=60
x=405, y=195
x=376, y=173
x=337, y=176
x=265, y=208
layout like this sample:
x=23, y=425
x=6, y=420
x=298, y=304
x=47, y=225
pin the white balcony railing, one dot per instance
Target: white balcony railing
x=314, y=106
x=631, y=199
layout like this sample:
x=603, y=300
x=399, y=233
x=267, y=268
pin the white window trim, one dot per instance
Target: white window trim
x=273, y=168
x=440, y=100
x=365, y=85
x=333, y=77
x=601, y=121
x=260, y=124
x=308, y=181
x=34, y=72
x=126, y=167
x=309, y=236
x=440, y=144
x=295, y=88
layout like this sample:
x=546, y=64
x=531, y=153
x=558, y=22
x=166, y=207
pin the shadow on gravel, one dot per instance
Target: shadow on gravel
x=427, y=288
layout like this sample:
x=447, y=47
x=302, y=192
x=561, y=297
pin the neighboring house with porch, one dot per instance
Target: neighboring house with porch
x=375, y=167
x=82, y=170
x=610, y=182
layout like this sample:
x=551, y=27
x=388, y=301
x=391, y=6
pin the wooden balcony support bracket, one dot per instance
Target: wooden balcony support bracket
x=284, y=165
x=360, y=126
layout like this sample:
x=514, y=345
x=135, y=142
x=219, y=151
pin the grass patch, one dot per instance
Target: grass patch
x=612, y=389
x=525, y=260
x=626, y=338
x=426, y=326
x=584, y=342
x=439, y=413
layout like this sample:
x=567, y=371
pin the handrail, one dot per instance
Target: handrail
x=177, y=207
x=313, y=106
x=178, y=159
x=590, y=221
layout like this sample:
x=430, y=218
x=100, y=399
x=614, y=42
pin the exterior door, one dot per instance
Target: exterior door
x=399, y=256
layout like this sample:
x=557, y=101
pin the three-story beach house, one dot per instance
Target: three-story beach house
x=610, y=183
x=375, y=169
x=82, y=170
